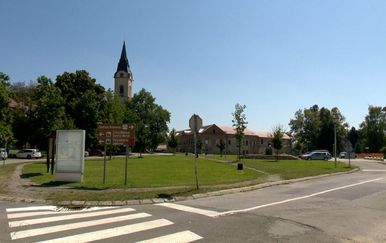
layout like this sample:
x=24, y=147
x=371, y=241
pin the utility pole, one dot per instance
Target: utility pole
x=335, y=144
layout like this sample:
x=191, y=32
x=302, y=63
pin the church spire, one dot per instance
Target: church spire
x=123, y=64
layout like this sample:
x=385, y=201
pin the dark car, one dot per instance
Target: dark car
x=96, y=152
x=318, y=155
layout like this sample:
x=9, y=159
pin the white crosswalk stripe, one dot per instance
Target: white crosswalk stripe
x=30, y=224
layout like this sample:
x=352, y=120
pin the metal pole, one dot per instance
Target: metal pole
x=104, y=166
x=127, y=154
x=195, y=160
x=335, y=144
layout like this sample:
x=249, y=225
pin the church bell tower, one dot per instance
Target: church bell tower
x=123, y=77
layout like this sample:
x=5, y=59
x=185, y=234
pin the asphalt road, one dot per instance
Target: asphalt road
x=340, y=208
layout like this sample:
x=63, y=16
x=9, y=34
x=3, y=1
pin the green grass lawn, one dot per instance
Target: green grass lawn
x=148, y=172
x=291, y=169
x=5, y=175
x=165, y=176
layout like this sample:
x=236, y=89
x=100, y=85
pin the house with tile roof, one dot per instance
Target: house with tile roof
x=209, y=136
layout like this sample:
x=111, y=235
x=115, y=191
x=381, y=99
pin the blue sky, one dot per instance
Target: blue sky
x=205, y=56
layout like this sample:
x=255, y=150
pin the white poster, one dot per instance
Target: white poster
x=70, y=146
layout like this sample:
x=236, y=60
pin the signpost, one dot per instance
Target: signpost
x=195, y=123
x=118, y=135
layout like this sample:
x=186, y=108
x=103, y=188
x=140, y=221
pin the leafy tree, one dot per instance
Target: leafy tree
x=239, y=124
x=5, y=114
x=353, y=137
x=150, y=121
x=24, y=123
x=313, y=128
x=83, y=102
x=277, y=139
x=373, y=129
x=49, y=111
x=221, y=146
x=114, y=109
x=172, y=140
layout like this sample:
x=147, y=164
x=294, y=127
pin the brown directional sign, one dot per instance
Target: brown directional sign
x=116, y=134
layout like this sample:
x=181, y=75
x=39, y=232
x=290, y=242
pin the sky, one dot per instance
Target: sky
x=204, y=56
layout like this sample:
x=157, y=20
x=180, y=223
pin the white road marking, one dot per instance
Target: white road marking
x=214, y=214
x=296, y=198
x=35, y=208
x=58, y=228
x=374, y=170
x=112, y=232
x=22, y=214
x=66, y=217
x=205, y=212
x=180, y=237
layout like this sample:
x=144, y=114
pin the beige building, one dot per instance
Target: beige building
x=209, y=137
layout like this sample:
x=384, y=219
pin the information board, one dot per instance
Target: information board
x=116, y=134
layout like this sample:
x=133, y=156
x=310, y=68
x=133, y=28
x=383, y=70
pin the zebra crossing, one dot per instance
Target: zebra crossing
x=52, y=224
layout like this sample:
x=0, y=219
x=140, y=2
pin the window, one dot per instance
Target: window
x=246, y=142
x=121, y=90
x=214, y=131
x=121, y=75
x=261, y=141
x=229, y=142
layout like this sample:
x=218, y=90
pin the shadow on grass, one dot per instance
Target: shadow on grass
x=29, y=175
x=64, y=183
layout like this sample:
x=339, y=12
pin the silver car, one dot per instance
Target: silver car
x=320, y=155
x=29, y=154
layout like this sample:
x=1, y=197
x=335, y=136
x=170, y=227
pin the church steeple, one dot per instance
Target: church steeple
x=123, y=76
x=123, y=64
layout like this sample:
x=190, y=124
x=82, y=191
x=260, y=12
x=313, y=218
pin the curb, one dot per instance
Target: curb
x=163, y=200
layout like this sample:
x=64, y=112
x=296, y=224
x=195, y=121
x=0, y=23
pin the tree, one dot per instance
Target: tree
x=150, y=121
x=221, y=146
x=114, y=109
x=172, y=140
x=373, y=129
x=5, y=114
x=24, y=122
x=277, y=139
x=84, y=102
x=49, y=111
x=313, y=128
x=353, y=137
x=239, y=124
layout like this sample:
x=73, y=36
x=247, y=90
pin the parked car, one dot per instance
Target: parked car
x=316, y=155
x=86, y=154
x=96, y=152
x=29, y=154
x=3, y=153
x=342, y=155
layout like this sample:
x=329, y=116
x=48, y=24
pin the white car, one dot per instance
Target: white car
x=29, y=154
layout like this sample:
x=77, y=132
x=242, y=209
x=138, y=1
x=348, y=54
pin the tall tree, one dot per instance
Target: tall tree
x=24, y=125
x=5, y=114
x=150, y=121
x=221, y=146
x=313, y=128
x=277, y=139
x=353, y=137
x=83, y=102
x=239, y=124
x=172, y=140
x=373, y=129
x=49, y=112
x=114, y=109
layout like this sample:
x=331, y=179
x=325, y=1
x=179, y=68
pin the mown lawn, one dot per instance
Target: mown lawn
x=167, y=176
x=148, y=172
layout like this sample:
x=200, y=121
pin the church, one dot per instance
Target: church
x=123, y=77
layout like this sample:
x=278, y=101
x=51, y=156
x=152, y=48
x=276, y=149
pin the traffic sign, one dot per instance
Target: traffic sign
x=195, y=123
x=116, y=134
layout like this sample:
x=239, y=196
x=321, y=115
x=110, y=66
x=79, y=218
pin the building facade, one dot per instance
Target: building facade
x=209, y=137
x=123, y=77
